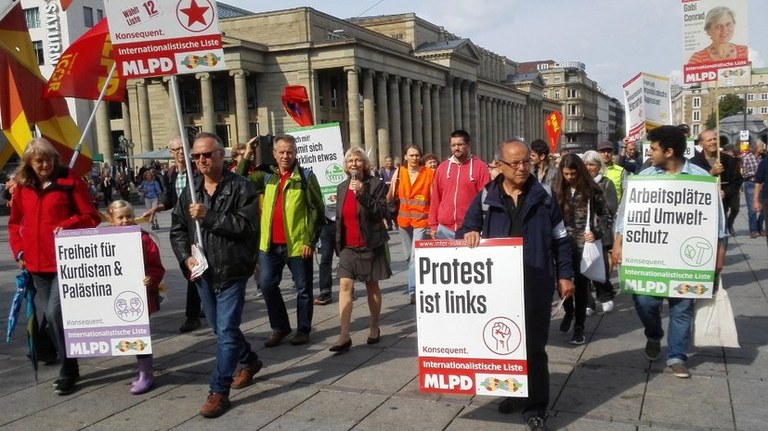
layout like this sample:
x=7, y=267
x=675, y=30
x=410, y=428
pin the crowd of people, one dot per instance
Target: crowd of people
x=255, y=219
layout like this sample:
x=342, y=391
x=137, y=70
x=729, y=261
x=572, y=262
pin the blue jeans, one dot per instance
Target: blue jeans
x=327, y=249
x=224, y=312
x=410, y=235
x=272, y=263
x=755, y=219
x=444, y=233
x=680, y=318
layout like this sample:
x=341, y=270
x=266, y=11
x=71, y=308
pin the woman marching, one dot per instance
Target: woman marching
x=361, y=241
x=575, y=189
x=49, y=198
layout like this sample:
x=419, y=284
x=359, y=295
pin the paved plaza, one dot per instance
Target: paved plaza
x=606, y=384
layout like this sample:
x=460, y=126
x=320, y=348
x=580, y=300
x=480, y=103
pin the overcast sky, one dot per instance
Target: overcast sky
x=614, y=38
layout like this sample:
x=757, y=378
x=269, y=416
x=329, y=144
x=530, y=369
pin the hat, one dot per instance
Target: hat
x=605, y=145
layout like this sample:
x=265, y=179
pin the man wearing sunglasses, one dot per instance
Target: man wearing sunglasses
x=515, y=204
x=227, y=209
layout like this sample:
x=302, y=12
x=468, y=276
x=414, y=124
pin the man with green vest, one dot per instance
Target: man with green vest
x=614, y=172
x=291, y=220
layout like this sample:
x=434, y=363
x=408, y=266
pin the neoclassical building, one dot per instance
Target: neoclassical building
x=388, y=80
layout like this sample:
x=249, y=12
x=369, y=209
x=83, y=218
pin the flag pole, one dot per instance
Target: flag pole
x=79, y=146
x=187, y=158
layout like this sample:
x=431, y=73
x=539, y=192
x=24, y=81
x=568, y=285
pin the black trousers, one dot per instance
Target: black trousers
x=194, y=306
x=731, y=206
x=536, y=336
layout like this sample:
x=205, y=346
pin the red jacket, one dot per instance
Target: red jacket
x=66, y=203
x=453, y=189
x=153, y=268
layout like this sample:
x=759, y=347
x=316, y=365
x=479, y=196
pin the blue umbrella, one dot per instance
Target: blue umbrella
x=25, y=288
x=21, y=282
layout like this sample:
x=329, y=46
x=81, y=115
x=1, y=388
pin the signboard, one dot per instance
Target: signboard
x=714, y=37
x=320, y=148
x=103, y=299
x=154, y=37
x=470, y=317
x=647, y=104
x=669, y=245
x=690, y=149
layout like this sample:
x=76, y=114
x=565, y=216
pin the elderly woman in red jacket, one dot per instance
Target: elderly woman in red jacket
x=49, y=198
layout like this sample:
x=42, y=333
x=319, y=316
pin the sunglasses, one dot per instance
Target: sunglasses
x=207, y=155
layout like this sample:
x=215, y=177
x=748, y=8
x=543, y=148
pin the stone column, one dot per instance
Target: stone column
x=447, y=117
x=482, y=135
x=383, y=117
x=473, y=114
x=104, y=133
x=436, y=114
x=495, y=121
x=416, y=114
x=457, y=124
x=369, y=115
x=426, y=103
x=405, y=97
x=353, y=106
x=465, y=121
x=173, y=122
x=487, y=123
x=241, y=105
x=206, y=95
x=145, y=127
x=395, y=128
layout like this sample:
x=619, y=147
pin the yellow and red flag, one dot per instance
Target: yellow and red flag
x=554, y=127
x=83, y=69
x=21, y=96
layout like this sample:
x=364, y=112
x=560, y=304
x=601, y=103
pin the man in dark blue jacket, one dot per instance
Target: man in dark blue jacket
x=515, y=204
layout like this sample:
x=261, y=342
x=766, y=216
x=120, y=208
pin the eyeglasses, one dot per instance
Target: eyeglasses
x=208, y=155
x=516, y=164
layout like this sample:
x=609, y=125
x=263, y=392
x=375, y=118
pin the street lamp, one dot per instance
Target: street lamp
x=126, y=145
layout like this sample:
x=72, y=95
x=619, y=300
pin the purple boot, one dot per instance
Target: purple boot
x=146, y=378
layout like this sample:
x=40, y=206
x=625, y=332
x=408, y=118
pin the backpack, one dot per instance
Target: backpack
x=303, y=173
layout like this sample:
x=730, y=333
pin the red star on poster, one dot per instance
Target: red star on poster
x=195, y=14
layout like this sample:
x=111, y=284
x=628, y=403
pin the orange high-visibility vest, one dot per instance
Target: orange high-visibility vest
x=414, y=198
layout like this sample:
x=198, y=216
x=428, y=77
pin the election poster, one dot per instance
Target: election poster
x=715, y=36
x=470, y=317
x=319, y=148
x=669, y=245
x=103, y=298
x=647, y=104
x=160, y=37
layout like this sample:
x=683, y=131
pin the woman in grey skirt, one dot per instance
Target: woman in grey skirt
x=361, y=241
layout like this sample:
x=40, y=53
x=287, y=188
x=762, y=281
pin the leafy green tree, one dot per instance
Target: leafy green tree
x=730, y=104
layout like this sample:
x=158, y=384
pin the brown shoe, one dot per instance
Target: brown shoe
x=245, y=376
x=276, y=338
x=300, y=338
x=215, y=405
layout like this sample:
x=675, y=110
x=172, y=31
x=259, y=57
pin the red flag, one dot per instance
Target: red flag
x=21, y=96
x=84, y=67
x=554, y=127
x=65, y=4
x=296, y=104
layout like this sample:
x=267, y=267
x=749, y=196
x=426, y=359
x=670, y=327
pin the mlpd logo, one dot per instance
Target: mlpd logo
x=334, y=173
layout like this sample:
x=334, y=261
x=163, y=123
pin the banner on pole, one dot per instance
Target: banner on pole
x=470, y=316
x=647, y=104
x=155, y=38
x=319, y=148
x=669, y=243
x=715, y=35
x=103, y=298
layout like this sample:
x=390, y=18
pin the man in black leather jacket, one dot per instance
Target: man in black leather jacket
x=227, y=210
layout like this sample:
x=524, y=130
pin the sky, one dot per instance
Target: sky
x=615, y=39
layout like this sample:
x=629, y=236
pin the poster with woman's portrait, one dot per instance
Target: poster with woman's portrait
x=714, y=37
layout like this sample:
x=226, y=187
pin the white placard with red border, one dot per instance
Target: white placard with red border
x=164, y=37
x=470, y=316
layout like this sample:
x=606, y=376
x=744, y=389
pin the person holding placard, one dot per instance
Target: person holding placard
x=120, y=213
x=515, y=204
x=49, y=197
x=668, y=145
x=227, y=208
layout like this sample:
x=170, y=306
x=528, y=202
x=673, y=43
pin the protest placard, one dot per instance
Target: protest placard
x=319, y=148
x=103, y=299
x=470, y=314
x=669, y=243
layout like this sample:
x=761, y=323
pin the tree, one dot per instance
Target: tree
x=730, y=104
